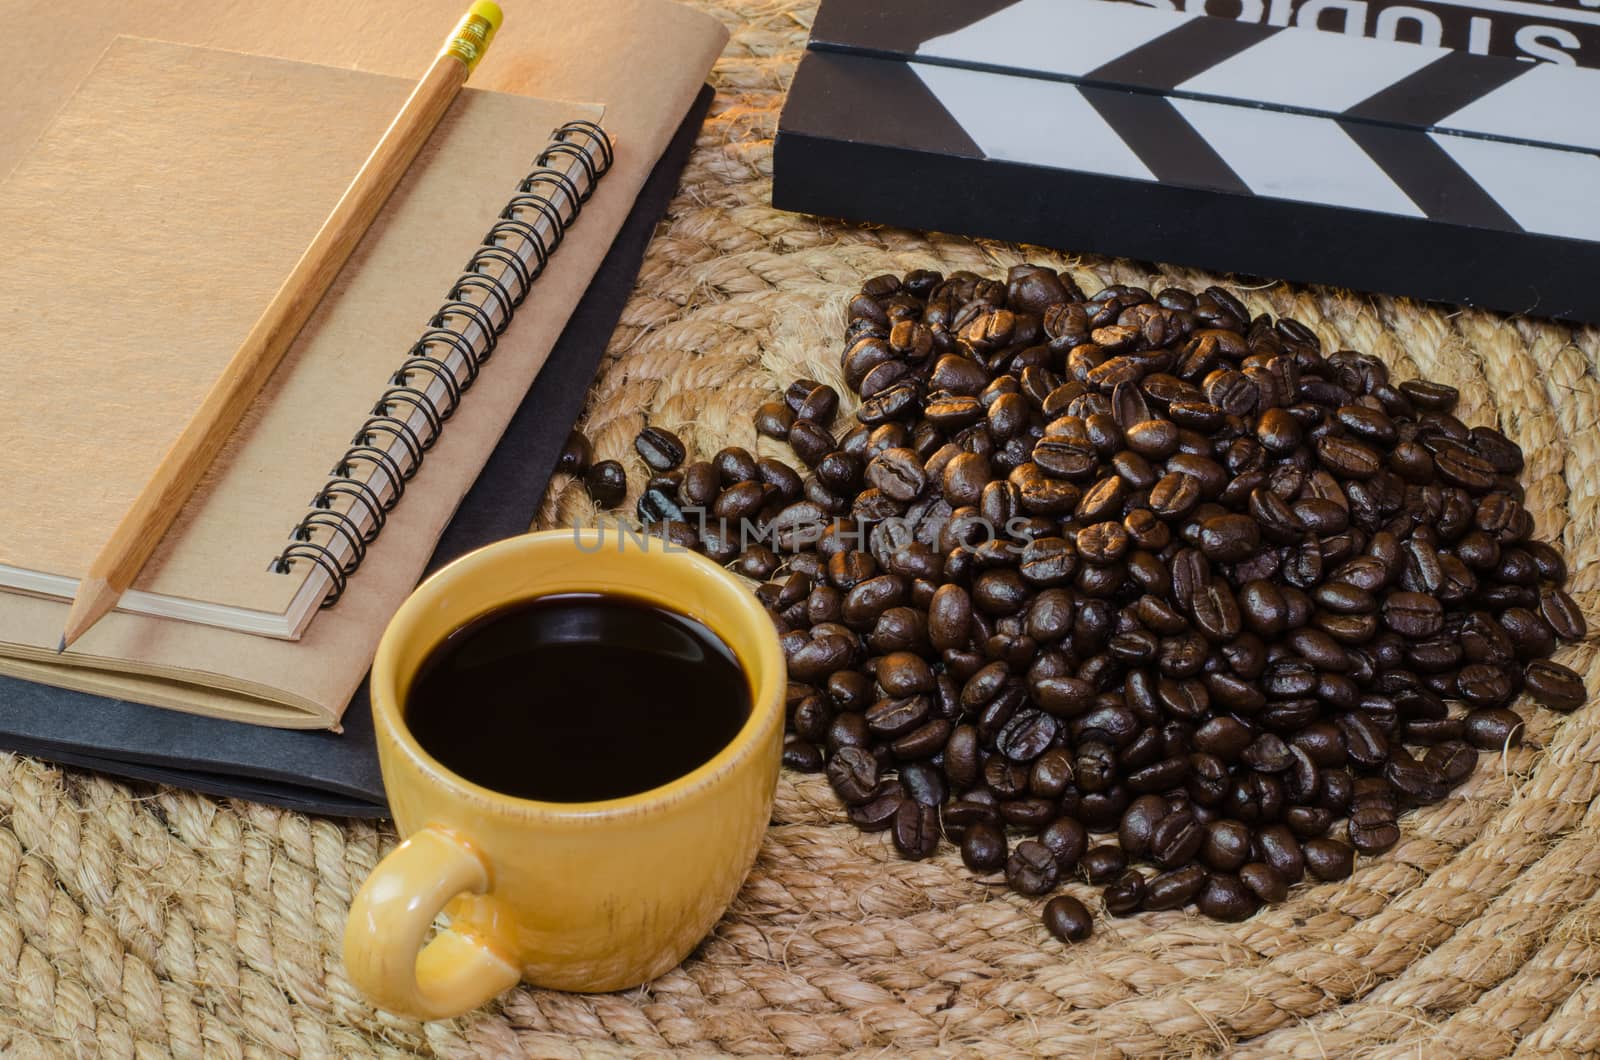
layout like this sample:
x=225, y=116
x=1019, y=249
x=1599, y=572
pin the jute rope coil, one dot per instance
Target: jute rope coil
x=137, y=921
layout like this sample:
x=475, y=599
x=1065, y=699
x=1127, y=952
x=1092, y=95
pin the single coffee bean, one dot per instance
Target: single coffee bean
x=1277, y=846
x=741, y=501
x=1368, y=424
x=811, y=717
x=1413, y=615
x=1484, y=685
x=916, y=830
x=1051, y=773
x=1227, y=898
x=1434, y=396
x=1174, y=495
x=811, y=443
x=1000, y=592
x=839, y=471
x=1004, y=778
x=1048, y=561
x=1344, y=598
x=1216, y=612
x=848, y=730
x=1066, y=918
x=878, y=813
x=1103, y=543
x=607, y=483
x=924, y=783
x=656, y=504
x=1164, y=775
x=1557, y=687
x=1067, y=839
x=1026, y=736
x=576, y=454
x=1175, y=888
x=1176, y=839
x=819, y=403
x=1125, y=894
x=735, y=464
x=1031, y=868
x=1530, y=634
x=1364, y=739
x=1223, y=736
x=864, y=603
x=1561, y=612
x=1552, y=567
x=813, y=655
x=1493, y=728
x=659, y=448
x=964, y=478
x=983, y=847
x=976, y=805
x=700, y=485
x=962, y=756
x=1373, y=829
x=801, y=756
x=1268, y=754
x=1264, y=881
x=1102, y=864
x=1154, y=439
x=853, y=772
x=898, y=474
x=888, y=719
x=1138, y=822
x=1028, y=814
x=784, y=482
x=1328, y=859
x=1229, y=538
x=849, y=690
x=1226, y=846
x=757, y=561
x=1460, y=467
x=949, y=617
x=1453, y=760
x=773, y=419
x=1278, y=431
x=903, y=673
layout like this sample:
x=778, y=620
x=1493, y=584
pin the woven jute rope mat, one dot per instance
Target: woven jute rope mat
x=137, y=921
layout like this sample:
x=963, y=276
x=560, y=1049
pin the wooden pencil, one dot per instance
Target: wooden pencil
x=147, y=520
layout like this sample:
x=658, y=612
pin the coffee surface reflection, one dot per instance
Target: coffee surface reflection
x=577, y=698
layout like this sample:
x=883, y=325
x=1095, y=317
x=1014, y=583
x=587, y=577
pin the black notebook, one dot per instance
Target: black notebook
x=337, y=774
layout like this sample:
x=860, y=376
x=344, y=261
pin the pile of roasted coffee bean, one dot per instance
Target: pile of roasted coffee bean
x=1134, y=586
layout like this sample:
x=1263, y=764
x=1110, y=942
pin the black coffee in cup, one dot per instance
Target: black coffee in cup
x=577, y=697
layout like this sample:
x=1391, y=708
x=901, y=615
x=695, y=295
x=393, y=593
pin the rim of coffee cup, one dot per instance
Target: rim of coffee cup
x=766, y=683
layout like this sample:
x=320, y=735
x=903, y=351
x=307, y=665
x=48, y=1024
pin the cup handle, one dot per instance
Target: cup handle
x=391, y=914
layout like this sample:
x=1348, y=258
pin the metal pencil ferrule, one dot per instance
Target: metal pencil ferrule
x=471, y=38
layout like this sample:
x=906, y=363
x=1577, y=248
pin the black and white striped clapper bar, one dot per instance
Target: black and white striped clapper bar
x=1106, y=127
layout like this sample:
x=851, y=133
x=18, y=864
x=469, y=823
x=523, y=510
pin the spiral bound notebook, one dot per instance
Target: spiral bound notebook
x=164, y=201
x=337, y=774
x=184, y=160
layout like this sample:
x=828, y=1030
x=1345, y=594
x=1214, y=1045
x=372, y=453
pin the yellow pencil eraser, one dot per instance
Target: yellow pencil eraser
x=471, y=38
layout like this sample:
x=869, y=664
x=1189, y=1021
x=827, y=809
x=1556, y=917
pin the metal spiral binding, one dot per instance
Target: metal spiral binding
x=512, y=255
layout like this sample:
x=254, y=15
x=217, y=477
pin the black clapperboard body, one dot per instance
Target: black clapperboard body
x=1222, y=143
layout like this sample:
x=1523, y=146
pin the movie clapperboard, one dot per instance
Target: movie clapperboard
x=1222, y=143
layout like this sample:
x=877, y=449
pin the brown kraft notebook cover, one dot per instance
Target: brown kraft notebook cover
x=226, y=673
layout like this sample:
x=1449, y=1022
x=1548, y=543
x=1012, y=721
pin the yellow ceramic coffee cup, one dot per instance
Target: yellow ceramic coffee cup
x=590, y=896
